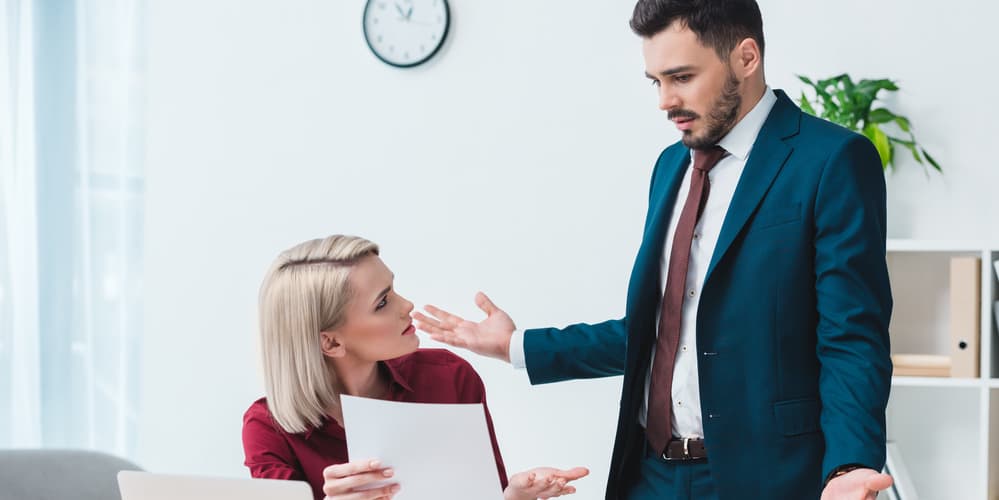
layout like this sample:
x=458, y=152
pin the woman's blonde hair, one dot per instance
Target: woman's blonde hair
x=306, y=292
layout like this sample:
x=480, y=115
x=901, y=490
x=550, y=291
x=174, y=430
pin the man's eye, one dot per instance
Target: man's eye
x=655, y=83
x=682, y=78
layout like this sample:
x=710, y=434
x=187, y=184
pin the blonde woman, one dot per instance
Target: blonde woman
x=331, y=323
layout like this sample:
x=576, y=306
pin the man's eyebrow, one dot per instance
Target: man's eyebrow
x=672, y=71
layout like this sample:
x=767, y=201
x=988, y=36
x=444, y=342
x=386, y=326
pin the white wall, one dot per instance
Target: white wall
x=516, y=162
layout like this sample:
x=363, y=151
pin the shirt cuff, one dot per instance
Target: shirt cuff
x=517, y=357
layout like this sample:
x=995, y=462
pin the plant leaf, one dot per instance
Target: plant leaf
x=806, y=106
x=932, y=161
x=880, y=140
x=910, y=145
x=880, y=115
x=903, y=123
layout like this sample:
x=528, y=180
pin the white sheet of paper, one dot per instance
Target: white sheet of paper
x=438, y=451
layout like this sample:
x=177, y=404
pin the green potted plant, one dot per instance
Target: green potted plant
x=852, y=105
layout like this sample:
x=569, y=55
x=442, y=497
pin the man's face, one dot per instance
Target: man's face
x=700, y=92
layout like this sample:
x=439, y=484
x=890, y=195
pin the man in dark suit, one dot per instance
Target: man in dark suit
x=755, y=342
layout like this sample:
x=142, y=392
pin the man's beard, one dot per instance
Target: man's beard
x=721, y=118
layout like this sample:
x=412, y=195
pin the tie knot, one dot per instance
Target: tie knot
x=706, y=159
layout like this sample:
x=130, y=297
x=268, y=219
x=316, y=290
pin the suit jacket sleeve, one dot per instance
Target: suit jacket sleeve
x=854, y=306
x=576, y=351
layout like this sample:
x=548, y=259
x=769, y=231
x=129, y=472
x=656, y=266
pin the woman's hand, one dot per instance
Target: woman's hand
x=542, y=482
x=349, y=481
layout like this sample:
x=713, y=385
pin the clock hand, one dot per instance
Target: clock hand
x=409, y=14
x=401, y=13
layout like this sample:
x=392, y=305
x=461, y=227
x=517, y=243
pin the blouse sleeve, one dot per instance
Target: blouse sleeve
x=472, y=390
x=267, y=452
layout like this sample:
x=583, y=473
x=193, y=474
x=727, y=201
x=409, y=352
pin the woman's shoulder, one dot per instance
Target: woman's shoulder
x=258, y=411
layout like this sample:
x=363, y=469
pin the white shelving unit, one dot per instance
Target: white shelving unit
x=946, y=429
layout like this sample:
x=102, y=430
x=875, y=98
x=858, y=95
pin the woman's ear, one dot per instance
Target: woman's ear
x=330, y=344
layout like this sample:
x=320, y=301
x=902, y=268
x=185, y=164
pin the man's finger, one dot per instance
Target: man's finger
x=487, y=306
x=450, y=339
x=442, y=315
x=432, y=330
x=878, y=482
x=422, y=318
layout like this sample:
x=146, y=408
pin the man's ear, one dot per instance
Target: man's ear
x=331, y=345
x=746, y=58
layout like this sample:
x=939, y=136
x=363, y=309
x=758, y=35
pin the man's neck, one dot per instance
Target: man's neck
x=754, y=92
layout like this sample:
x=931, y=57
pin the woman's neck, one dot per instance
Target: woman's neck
x=363, y=379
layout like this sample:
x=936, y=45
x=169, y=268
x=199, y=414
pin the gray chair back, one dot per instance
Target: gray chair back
x=60, y=475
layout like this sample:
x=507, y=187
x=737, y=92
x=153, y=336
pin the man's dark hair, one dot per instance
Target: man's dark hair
x=718, y=24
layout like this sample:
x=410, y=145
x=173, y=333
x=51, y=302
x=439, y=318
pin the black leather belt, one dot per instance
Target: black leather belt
x=680, y=449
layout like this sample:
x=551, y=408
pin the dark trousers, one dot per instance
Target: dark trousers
x=686, y=480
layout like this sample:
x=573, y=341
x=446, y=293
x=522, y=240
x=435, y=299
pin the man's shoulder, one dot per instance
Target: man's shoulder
x=817, y=130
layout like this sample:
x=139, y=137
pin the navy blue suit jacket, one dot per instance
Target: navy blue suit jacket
x=792, y=327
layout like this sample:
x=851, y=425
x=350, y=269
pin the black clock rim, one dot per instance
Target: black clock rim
x=367, y=40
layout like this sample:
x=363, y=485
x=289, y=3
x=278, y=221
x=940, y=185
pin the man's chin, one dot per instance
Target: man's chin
x=691, y=141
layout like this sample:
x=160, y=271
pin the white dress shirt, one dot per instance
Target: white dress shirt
x=724, y=178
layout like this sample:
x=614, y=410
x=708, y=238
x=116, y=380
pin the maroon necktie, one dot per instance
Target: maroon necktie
x=659, y=422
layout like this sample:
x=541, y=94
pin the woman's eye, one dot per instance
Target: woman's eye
x=382, y=303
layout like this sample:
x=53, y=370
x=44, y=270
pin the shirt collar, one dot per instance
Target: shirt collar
x=398, y=377
x=739, y=141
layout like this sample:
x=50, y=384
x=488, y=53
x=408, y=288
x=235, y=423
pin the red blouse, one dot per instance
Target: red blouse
x=425, y=376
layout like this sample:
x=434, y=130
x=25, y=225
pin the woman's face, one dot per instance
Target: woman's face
x=377, y=325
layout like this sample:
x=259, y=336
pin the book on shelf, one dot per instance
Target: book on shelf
x=920, y=365
x=965, y=310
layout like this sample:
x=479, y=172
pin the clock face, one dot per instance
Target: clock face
x=405, y=33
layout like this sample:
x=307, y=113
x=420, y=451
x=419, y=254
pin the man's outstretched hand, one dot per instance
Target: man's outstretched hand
x=489, y=337
x=858, y=484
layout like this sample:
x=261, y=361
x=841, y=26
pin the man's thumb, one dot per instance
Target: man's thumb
x=485, y=304
x=879, y=482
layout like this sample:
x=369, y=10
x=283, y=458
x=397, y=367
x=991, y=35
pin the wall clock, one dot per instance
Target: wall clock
x=406, y=33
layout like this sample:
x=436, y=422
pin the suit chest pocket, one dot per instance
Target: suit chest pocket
x=772, y=217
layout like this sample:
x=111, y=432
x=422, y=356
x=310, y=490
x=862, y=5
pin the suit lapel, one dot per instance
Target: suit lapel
x=768, y=156
x=665, y=197
x=645, y=296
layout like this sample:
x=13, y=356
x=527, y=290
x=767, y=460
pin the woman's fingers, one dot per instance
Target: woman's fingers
x=356, y=481
x=343, y=480
x=573, y=473
x=351, y=468
x=384, y=492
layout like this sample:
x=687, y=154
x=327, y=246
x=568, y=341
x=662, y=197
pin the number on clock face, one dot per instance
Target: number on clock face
x=405, y=33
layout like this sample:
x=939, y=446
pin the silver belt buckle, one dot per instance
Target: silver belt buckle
x=686, y=451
